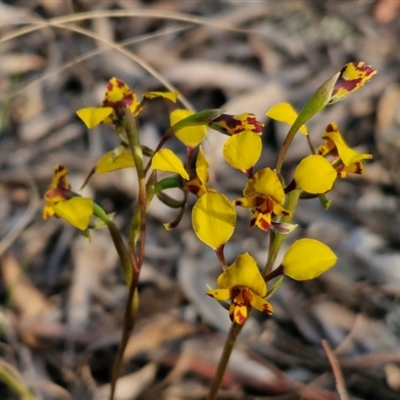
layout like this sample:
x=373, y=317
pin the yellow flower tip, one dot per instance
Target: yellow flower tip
x=315, y=175
x=219, y=294
x=119, y=95
x=48, y=211
x=191, y=136
x=172, y=96
x=307, y=258
x=168, y=226
x=285, y=112
x=352, y=77
x=59, y=187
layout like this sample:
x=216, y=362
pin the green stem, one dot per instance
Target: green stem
x=130, y=314
x=135, y=257
x=319, y=99
x=14, y=384
x=223, y=361
x=285, y=146
x=137, y=153
x=277, y=239
x=167, y=136
x=121, y=250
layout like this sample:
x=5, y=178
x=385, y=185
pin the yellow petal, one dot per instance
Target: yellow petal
x=352, y=77
x=243, y=150
x=119, y=95
x=48, y=210
x=213, y=219
x=93, y=116
x=315, y=175
x=260, y=304
x=191, y=135
x=109, y=162
x=220, y=294
x=59, y=186
x=202, y=167
x=173, y=96
x=249, y=201
x=307, y=258
x=346, y=154
x=243, y=272
x=266, y=182
x=284, y=112
x=77, y=211
x=239, y=314
x=166, y=160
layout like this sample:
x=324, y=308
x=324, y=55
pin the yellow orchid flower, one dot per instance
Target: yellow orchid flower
x=62, y=202
x=265, y=197
x=242, y=284
x=344, y=158
x=118, y=96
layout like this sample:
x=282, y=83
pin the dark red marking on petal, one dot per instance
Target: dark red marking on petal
x=349, y=85
x=264, y=224
x=331, y=128
x=359, y=167
x=267, y=309
x=232, y=125
x=240, y=317
x=120, y=83
x=59, y=168
x=257, y=125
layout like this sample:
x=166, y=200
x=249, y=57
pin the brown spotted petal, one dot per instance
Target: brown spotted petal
x=351, y=78
x=233, y=124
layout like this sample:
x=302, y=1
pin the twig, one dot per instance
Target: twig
x=340, y=384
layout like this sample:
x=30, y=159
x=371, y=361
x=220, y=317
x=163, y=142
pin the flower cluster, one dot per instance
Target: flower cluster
x=269, y=199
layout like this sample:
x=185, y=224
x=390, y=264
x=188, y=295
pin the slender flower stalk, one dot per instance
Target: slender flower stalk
x=276, y=238
x=224, y=359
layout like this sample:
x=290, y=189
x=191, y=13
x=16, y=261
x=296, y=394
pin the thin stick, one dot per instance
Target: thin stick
x=138, y=60
x=164, y=14
x=88, y=55
x=340, y=384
